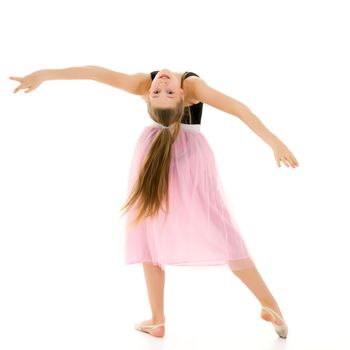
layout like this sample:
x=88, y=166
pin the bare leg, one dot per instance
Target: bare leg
x=155, y=280
x=253, y=280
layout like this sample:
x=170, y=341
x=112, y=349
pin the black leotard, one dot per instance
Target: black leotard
x=195, y=110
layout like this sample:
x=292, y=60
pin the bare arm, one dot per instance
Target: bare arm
x=85, y=72
x=206, y=94
x=132, y=83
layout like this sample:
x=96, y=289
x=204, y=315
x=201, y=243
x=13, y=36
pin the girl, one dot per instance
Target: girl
x=173, y=166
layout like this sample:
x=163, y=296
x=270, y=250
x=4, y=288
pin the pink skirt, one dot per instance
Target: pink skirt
x=199, y=228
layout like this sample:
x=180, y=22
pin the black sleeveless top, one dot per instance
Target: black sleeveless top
x=195, y=110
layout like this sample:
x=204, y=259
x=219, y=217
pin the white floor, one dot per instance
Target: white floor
x=213, y=310
x=87, y=300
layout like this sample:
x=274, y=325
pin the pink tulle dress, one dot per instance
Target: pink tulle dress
x=199, y=228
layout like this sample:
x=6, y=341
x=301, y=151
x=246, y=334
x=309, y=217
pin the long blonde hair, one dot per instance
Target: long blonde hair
x=153, y=180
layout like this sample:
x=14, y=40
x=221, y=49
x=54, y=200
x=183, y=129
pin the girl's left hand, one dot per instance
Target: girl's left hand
x=282, y=153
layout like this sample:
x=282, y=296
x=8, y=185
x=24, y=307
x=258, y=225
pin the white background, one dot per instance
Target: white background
x=66, y=147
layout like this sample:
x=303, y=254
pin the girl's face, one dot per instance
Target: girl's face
x=165, y=90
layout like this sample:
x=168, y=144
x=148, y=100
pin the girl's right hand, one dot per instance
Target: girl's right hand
x=29, y=82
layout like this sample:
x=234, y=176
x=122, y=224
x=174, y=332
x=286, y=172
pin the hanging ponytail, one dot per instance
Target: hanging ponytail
x=153, y=181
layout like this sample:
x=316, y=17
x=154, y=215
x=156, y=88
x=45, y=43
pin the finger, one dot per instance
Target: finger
x=18, y=88
x=290, y=160
x=16, y=78
x=295, y=160
x=278, y=162
x=285, y=162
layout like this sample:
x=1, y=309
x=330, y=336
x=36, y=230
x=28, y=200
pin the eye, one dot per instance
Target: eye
x=169, y=92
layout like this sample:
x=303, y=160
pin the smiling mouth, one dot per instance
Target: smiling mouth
x=164, y=76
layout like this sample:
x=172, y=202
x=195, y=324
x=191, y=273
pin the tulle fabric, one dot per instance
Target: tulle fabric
x=199, y=229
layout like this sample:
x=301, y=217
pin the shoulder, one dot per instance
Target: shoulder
x=142, y=81
x=206, y=94
x=192, y=85
x=132, y=83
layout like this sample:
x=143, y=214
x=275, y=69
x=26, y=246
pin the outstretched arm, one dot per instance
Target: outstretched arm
x=132, y=83
x=206, y=94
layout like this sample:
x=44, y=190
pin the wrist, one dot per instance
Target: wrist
x=277, y=144
x=274, y=141
x=45, y=74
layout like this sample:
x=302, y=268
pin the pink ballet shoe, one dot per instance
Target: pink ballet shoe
x=281, y=329
x=157, y=330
